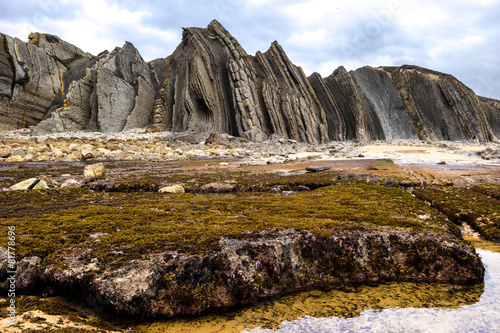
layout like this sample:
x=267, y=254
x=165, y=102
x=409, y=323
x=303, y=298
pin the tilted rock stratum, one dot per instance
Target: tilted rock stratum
x=211, y=85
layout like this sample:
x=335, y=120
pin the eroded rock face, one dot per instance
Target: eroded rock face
x=264, y=265
x=115, y=94
x=211, y=85
x=405, y=103
x=441, y=107
x=30, y=81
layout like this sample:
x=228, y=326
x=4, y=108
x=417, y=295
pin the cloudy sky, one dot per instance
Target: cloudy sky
x=459, y=37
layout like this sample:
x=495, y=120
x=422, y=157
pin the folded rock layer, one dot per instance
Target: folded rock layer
x=211, y=85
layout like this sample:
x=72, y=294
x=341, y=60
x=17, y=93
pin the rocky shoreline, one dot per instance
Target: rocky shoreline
x=229, y=238
x=267, y=264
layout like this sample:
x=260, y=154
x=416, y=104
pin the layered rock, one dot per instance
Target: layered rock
x=211, y=85
x=30, y=81
x=115, y=94
x=405, y=103
x=57, y=48
x=440, y=106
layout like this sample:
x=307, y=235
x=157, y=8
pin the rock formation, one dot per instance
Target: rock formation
x=30, y=80
x=115, y=94
x=261, y=266
x=211, y=85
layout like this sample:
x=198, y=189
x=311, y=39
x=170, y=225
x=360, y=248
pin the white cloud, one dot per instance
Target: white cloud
x=20, y=29
x=95, y=26
x=313, y=38
x=448, y=46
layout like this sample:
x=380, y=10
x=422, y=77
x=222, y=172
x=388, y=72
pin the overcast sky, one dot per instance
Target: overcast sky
x=458, y=37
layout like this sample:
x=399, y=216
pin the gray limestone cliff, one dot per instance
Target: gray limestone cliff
x=116, y=93
x=30, y=80
x=211, y=85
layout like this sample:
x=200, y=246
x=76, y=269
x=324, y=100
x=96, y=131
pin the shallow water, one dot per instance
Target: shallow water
x=402, y=307
x=483, y=316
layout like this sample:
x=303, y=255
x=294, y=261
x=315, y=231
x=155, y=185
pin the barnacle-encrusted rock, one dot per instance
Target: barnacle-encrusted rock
x=263, y=265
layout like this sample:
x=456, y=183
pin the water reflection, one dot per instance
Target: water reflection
x=404, y=307
x=482, y=316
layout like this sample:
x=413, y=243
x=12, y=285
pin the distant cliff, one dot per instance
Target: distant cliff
x=210, y=84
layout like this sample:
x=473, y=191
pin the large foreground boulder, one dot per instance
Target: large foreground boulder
x=261, y=265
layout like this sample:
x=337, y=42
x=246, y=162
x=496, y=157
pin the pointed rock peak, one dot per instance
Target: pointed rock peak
x=35, y=38
x=340, y=71
x=56, y=47
x=220, y=30
x=129, y=47
x=217, y=24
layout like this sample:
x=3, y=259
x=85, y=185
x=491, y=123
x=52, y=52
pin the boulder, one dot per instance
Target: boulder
x=71, y=183
x=318, y=168
x=174, y=189
x=27, y=184
x=41, y=185
x=94, y=172
x=218, y=188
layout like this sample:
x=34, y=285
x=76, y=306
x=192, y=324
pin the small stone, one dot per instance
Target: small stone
x=5, y=152
x=19, y=151
x=51, y=183
x=71, y=183
x=41, y=185
x=24, y=185
x=175, y=189
x=94, y=172
x=318, y=168
x=15, y=158
x=28, y=158
x=217, y=188
x=87, y=151
x=459, y=182
x=288, y=193
x=127, y=148
x=223, y=163
x=75, y=155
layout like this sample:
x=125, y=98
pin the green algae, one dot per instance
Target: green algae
x=478, y=206
x=347, y=303
x=324, y=304
x=141, y=224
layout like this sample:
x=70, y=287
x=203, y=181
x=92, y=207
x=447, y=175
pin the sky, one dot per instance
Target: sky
x=457, y=37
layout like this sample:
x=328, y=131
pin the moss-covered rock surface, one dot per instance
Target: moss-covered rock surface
x=275, y=230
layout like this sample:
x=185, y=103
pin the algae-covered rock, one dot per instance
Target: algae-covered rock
x=265, y=264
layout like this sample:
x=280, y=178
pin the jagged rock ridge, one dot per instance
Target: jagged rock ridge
x=210, y=84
